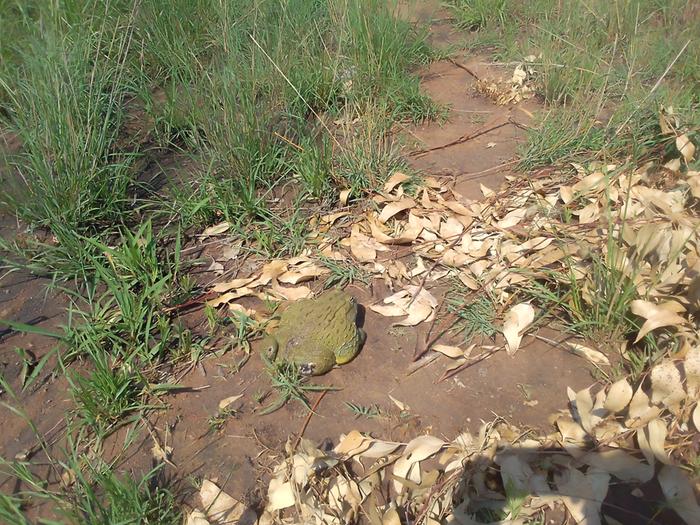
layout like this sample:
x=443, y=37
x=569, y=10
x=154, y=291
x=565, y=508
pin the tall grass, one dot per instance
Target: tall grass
x=605, y=66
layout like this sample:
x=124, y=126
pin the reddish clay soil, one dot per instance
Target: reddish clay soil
x=524, y=389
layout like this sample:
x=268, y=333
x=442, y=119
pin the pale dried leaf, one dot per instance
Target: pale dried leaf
x=216, y=229
x=399, y=404
x=679, y=494
x=280, y=495
x=458, y=208
x=344, y=197
x=619, y=396
x=594, y=181
x=583, y=494
x=512, y=218
x=516, y=320
x=657, y=316
x=196, y=517
x=696, y=417
x=216, y=268
x=379, y=449
x=451, y=228
x=486, y=191
x=396, y=179
x=620, y=464
x=272, y=270
x=391, y=517
x=303, y=274
x=594, y=356
x=388, y=310
x=394, y=208
x=452, y=352
x=685, y=147
x=232, y=285
x=640, y=410
x=361, y=246
x=584, y=409
x=230, y=296
x=667, y=386
x=691, y=365
x=224, y=403
x=222, y=508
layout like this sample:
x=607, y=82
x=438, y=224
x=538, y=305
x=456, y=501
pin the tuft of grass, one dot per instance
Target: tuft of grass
x=106, y=395
x=342, y=273
x=127, y=319
x=369, y=412
x=476, y=317
x=605, y=66
x=96, y=495
x=290, y=384
x=101, y=497
x=66, y=108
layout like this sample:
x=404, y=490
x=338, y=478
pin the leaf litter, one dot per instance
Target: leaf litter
x=534, y=229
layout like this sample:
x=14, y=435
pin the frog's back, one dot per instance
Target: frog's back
x=321, y=332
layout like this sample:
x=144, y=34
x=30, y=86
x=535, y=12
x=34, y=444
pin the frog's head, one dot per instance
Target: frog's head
x=269, y=347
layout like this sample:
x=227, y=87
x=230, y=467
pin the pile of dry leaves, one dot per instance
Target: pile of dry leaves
x=538, y=228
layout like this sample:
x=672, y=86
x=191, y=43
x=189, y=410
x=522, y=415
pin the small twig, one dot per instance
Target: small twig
x=308, y=419
x=462, y=139
x=465, y=68
x=470, y=362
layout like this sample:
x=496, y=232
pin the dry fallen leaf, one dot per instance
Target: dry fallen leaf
x=657, y=316
x=363, y=248
x=417, y=310
x=452, y=352
x=399, y=404
x=685, y=147
x=221, y=508
x=196, y=517
x=667, y=386
x=280, y=495
x=583, y=494
x=651, y=439
x=619, y=396
x=216, y=229
x=516, y=320
x=394, y=208
x=679, y=494
x=224, y=403
x=594, y=356
x=396, y=179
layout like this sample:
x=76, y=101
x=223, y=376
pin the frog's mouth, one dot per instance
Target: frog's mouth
x=307, y=369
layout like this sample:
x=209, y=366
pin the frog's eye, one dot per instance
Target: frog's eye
x=270, y=348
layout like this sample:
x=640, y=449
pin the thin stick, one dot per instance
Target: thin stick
x=308, y=419
x=461, y=140
x=465, y=68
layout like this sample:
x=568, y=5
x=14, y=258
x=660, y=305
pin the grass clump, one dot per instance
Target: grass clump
x=606, y=67
x=290, y=384
x=107, y=395
x=65, y=106
x=94, y=495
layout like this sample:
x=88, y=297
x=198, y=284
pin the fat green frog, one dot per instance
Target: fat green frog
x=317, y=334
